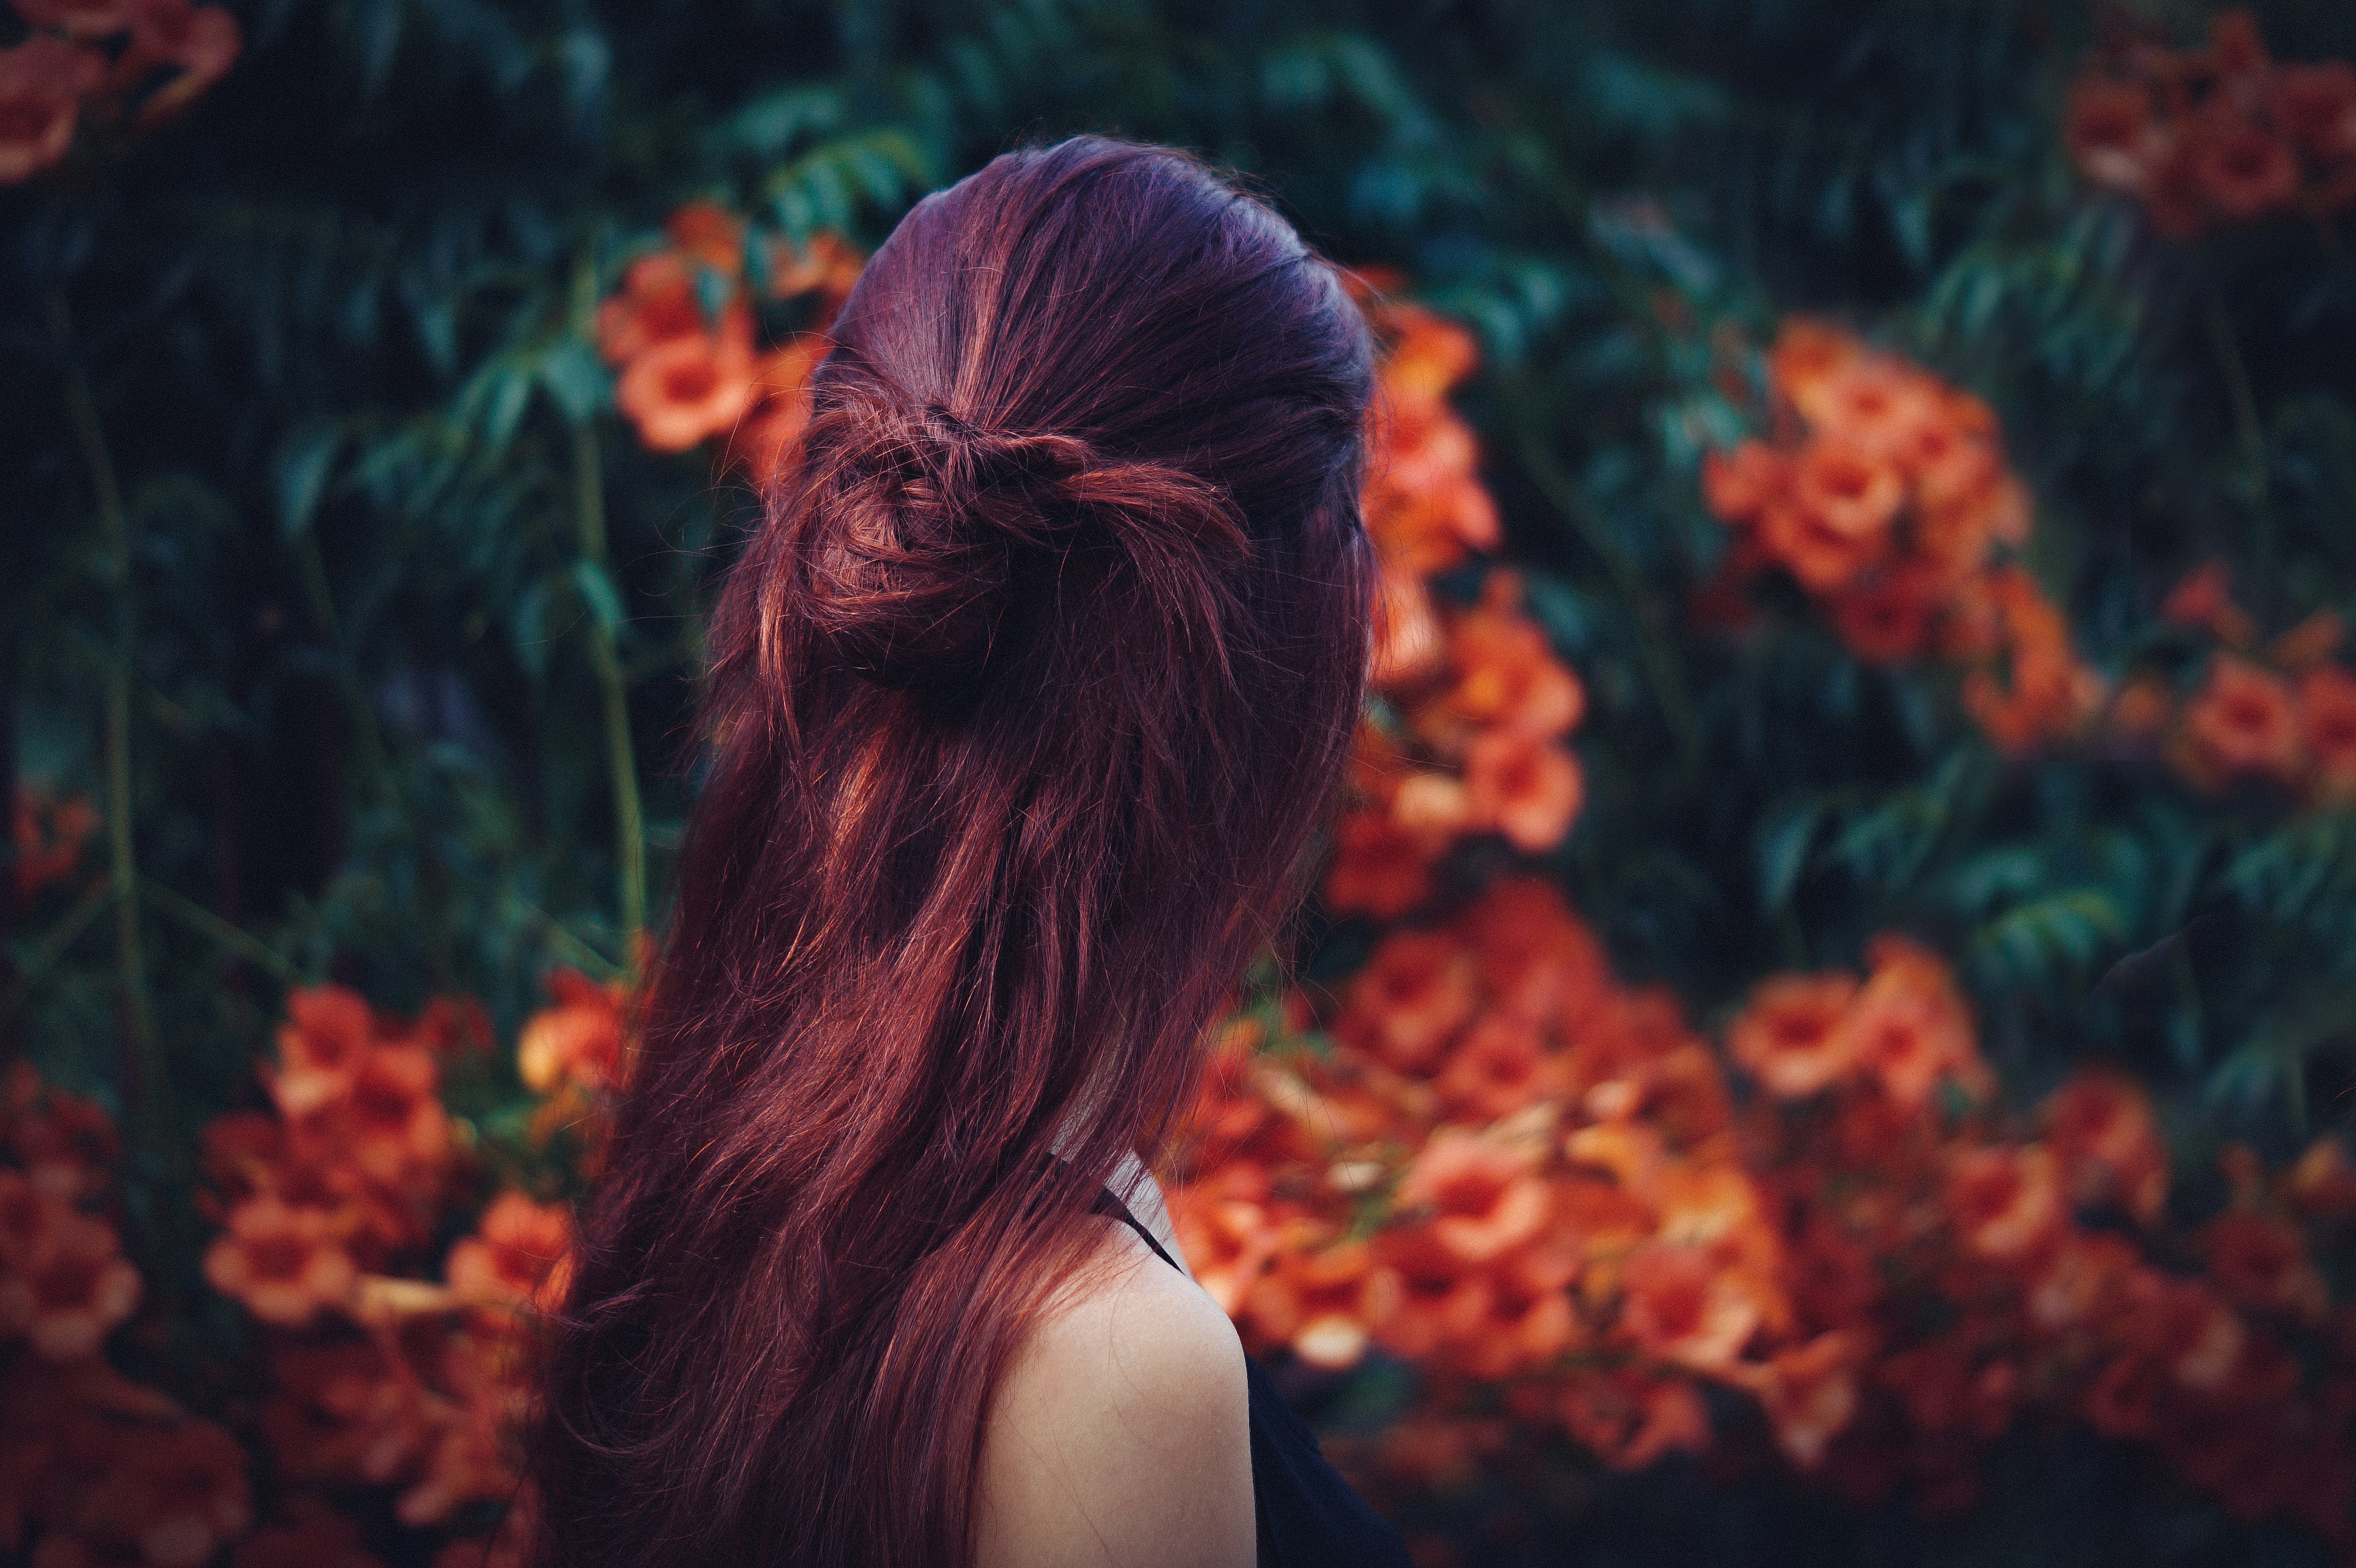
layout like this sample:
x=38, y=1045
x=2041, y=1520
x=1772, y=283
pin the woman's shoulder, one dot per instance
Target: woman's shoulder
x=1120, y=1434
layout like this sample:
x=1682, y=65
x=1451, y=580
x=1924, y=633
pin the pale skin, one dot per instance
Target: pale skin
x=1121, y=1436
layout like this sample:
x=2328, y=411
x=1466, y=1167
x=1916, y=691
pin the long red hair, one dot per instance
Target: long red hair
x=1025, y=703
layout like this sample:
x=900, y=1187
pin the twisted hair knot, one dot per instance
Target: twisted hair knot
x=931, y=538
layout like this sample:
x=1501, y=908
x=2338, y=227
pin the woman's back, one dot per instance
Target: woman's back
x=1120, y=1433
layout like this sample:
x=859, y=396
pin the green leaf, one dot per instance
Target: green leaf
x=596, y=587
x=575, y=379
x=530, y=629
x=1785, y=840
x=305, y=460
x=2038, y=942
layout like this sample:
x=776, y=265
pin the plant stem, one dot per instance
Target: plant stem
x=2253, y=436
x=86, y=908
x=213, y=928
x=621, y=755
x=148, y=1095
x=2237, y=391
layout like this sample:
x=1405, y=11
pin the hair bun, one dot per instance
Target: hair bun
x=924, y=525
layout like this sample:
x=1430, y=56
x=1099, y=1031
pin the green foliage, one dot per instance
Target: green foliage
x=334, y=328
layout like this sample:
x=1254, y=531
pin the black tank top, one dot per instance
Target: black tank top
x=1309, y=1517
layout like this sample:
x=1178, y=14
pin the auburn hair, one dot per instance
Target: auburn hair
x=1025, y=703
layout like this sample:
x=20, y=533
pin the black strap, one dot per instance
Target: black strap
x=1113, y=1208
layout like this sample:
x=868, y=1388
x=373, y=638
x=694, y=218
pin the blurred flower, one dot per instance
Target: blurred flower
x=2326, y=722
x=1324, y=1305
x=779, y=409
x=577, y=1038
x=1682, y=1305
x=2205, y=599
x=1884, y=617
x=520, y=1255
x=42, y=81
x=2007, y=1203
x=1499, y=1066
x=1791, y=1035
x=709, y=235
x=64, y=1283
x=1908, y=1028
x=2242, y=721
x=2315, y=106
x=1380, y=867
x=1415, y=992
x=1810, y=1395
x=197, y=42
x=393, y=1127
x=2247, y=172
x=327, y=1034
x=2099, y=1125
x=1536, y=960
x=1226, y=1241
x=2322, y=1183
x=1631, y=1420
x=826, y=265
x=2032, y=688
x=686, y=388
x=1529, y=789
x=284, y=1263
x=658, y=304
x=50, y=835
x=1485, y=1199
x=1507, y=678
x=2260, y=1262
x=1739, y=483
x=2112, y=135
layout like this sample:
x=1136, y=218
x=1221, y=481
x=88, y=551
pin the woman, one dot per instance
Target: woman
x=1025, y=703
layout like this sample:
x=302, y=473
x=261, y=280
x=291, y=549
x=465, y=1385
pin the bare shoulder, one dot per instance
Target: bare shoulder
x=1121, y=1435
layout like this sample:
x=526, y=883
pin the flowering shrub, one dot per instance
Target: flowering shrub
x=1577, y=1216
x=1834, y=975
x=2221, y=135
x=1573, y=1214
x=1887, y=499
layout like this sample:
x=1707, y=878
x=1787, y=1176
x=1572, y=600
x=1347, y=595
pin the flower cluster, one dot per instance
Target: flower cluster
x=681, y=335
x=569, y=1054
x=2284, y=713
x=88, y=59
x=1477, y=705
x=1887, y=498
x=1549, y=1195
x=93, y=1467
x=2221, y=135
x=329, y=1203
